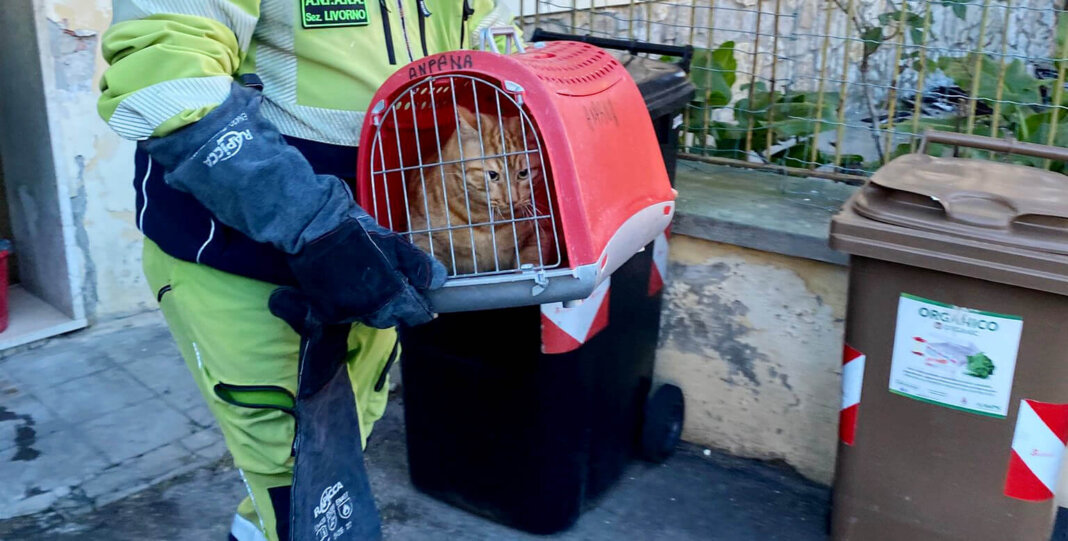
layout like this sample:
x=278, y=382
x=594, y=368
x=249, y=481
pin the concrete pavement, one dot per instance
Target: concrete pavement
x=104, y=436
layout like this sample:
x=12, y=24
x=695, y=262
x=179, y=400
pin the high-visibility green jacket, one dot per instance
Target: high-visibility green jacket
x=172, y=61
x=321, y=61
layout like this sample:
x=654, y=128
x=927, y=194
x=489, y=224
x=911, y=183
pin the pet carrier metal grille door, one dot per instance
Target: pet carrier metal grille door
x=531, y=177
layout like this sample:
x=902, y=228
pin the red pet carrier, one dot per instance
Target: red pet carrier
x=532, y=176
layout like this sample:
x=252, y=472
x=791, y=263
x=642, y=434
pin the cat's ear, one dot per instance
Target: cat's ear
x=467, y=119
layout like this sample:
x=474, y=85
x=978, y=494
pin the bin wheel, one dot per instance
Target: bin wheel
x=662, y=428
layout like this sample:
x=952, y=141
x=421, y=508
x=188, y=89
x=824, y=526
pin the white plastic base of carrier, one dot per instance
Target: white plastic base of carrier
x=639, y=230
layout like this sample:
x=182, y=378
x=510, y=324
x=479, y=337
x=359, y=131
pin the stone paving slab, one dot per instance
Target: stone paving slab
x=139, y=473
x=199, y=413
x=55, y=364
x=138, y=429
x=201, y=439
x=95, y=416
x=63, y=462
x=165, y=373
x=90, y=397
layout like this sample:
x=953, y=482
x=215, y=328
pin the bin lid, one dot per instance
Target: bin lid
x=991, y=220
x=664, y=86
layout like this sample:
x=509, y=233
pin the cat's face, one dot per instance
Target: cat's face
x=503, y=166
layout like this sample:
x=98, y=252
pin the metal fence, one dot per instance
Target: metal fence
x=835, y=88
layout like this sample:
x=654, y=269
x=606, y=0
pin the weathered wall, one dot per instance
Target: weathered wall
x=754, y=339
x=94, y=165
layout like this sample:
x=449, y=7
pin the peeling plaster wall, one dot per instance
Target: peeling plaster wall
x=93, y=164
x=754, y=340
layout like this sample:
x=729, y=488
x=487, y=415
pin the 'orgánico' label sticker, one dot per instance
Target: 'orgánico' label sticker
x=954, y=356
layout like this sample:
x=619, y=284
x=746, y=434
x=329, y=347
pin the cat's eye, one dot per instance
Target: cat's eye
x=524, y=174
x=492, y=175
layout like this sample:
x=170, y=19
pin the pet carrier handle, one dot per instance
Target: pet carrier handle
x=632, y=46
x=1006, y=145
x=489, y=36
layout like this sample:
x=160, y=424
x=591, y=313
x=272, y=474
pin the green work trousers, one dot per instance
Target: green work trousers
x=244, y=360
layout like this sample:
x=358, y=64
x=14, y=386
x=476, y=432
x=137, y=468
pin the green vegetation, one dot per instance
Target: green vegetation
x=780, y=127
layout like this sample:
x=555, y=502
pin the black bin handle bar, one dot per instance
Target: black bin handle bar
x=632, y=46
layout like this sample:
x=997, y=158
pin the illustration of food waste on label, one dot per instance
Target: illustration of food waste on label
x=954, y=356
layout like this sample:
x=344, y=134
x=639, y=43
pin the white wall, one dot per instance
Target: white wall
x=93, y=166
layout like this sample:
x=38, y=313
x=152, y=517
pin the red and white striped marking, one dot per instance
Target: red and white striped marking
x=852, y=383
x=1037, y=450
x=565, y=329
x=658, y=274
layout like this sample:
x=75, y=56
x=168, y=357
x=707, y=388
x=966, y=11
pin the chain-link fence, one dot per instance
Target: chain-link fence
x=835, y=88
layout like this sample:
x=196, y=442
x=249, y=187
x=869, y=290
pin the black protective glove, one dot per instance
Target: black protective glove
x=236, y=164
x=364, y=272
x=331, y=494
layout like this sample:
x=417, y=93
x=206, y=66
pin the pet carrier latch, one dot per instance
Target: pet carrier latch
x=516, y=90
x=487, y=39
x=376, y=113
x=541, y=281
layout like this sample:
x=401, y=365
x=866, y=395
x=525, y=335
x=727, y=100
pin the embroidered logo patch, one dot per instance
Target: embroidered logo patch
x=328, y=13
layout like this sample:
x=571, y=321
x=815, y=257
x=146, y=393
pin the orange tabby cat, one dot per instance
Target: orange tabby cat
x=499, y=189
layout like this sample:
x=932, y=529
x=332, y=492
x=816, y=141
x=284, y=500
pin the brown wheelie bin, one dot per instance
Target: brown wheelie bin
x=958, y=316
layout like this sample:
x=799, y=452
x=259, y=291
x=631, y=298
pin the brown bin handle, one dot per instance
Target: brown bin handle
x=1007, y=145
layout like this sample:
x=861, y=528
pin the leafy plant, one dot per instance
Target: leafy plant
x=714, y=74
x=960, y=7
x=1017, y=86
x=782, y=127
x=1022, y=103
x=789, y=119
x=894, y=24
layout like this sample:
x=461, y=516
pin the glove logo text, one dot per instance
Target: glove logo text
x=326, y=501
x=334, y=506
x=227, y=146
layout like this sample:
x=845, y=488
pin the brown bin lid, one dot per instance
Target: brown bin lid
x=991, y=220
